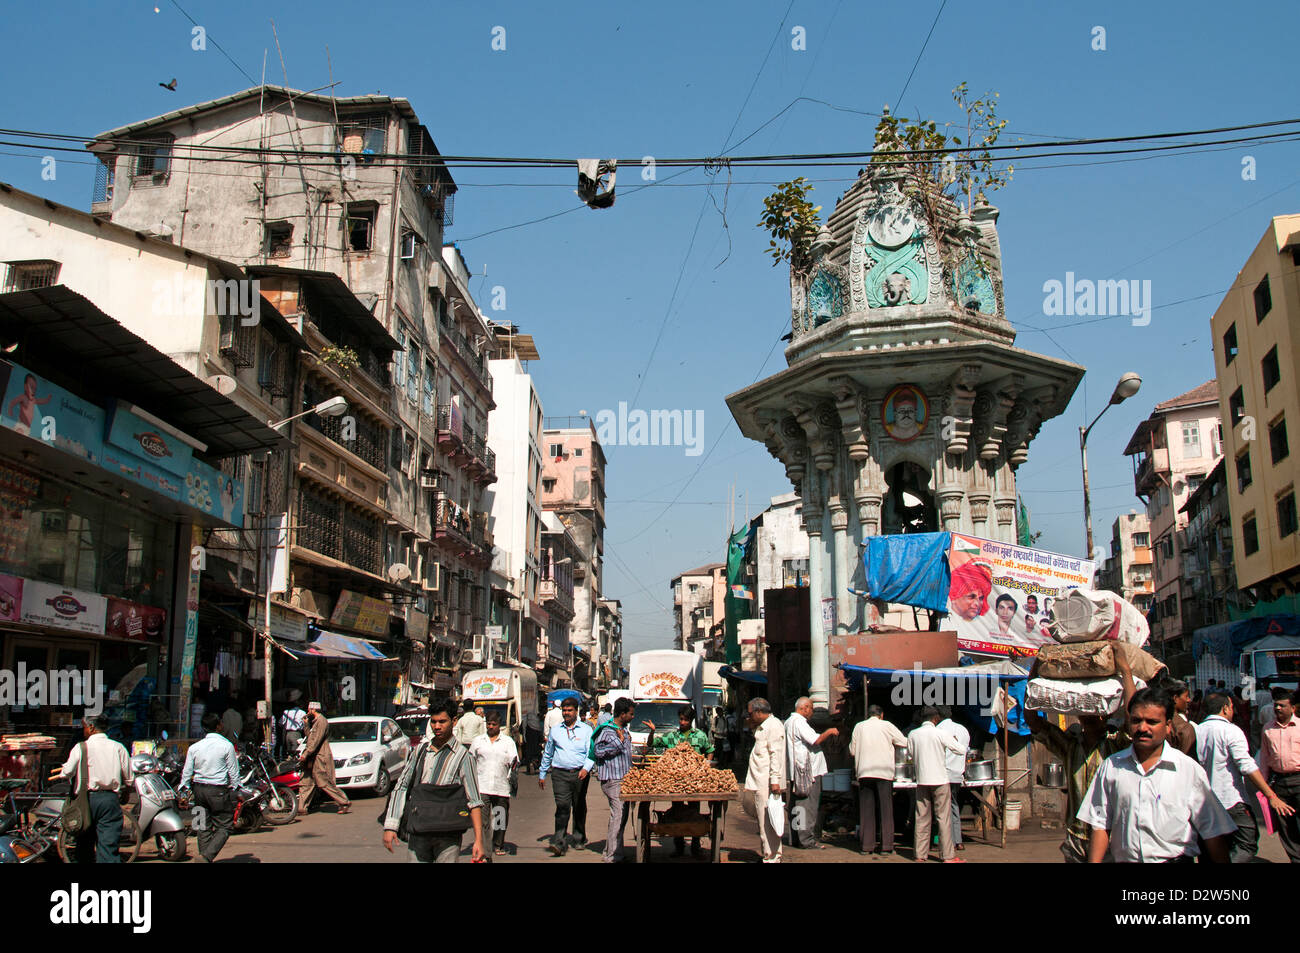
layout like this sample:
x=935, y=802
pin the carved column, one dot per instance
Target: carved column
x=950, y=498
x=960, y=406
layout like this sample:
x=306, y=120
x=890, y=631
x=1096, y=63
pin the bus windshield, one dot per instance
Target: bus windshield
x=662, y=714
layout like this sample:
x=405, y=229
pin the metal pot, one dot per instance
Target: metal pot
x=980, y=771
x=905, y=771
x=1054, y=774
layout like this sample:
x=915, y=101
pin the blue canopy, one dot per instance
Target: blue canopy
x=911, y=568
x=1006, y=675
x=560, y=694
x=335, y=646
x=758, y=678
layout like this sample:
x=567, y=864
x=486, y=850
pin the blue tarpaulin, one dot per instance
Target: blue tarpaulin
x=1226, y=640
x=1005, y=674
x=759, y=678
x=333, y=645
x=911, y=568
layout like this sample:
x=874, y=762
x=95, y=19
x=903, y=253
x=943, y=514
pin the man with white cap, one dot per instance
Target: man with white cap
x=553, y=718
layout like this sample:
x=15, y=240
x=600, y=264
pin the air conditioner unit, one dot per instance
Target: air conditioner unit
x=474, y=656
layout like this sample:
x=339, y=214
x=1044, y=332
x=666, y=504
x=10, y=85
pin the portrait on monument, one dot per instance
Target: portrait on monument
x=904, y=413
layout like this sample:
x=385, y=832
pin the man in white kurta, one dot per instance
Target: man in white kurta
x=929, y=748
x=807, y=767
x=766, y=775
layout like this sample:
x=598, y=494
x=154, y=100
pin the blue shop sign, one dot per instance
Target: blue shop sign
x=120, y=442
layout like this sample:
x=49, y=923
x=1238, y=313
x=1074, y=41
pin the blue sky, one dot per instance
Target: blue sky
x=677, y=79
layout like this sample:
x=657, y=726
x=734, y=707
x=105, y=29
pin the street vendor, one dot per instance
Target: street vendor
x=1083, y=749
x=697, y=739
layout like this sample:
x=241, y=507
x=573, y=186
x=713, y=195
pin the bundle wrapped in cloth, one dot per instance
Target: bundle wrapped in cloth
x=1083, y=660
x=1090, y=615
x=1094, y=696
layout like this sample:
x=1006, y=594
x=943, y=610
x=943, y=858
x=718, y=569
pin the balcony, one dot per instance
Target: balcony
x=467, y=448
x=451, y=523
x=549, y=590
x=1152, y=464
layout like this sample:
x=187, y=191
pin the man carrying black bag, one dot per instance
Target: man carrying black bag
x=437, y=798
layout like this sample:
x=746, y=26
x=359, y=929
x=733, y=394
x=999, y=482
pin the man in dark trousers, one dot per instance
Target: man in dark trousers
x=212, y=767
x=108, y=776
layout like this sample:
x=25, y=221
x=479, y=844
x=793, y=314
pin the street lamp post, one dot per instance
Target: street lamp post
x=1126, y=387
x=334, y=407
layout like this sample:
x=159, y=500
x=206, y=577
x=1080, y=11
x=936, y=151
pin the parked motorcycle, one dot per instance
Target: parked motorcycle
x=48, y=812
x=18, y=845
x=280, y=803
x=156, y=810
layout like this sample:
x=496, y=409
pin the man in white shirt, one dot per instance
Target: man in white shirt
x=553, y=718
x=1149, y=803
x=107, y=774
x=956, y=769
x=930, y=748
x=807, y=767
x=766, y=775
x=872, y=749
x=469, y=726
x=1222, y=750
x=495, y=758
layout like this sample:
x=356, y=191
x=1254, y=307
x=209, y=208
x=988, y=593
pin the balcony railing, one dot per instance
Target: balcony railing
x=1155, y=461
x=448, y=517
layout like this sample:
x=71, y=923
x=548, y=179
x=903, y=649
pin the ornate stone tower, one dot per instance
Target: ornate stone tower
x=906, y=406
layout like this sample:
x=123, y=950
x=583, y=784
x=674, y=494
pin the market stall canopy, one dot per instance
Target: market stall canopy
x=333, y=645
x=758, y=678
x=1000, y=673
x=1227, y=639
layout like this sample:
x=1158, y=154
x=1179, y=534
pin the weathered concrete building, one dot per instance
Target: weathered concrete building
x=698, y=605
x=1128, y=569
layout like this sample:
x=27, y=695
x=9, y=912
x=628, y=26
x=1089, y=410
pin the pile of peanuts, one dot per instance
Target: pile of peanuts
x=680, y=770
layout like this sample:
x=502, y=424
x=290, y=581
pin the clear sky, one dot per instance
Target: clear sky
x=683, y=258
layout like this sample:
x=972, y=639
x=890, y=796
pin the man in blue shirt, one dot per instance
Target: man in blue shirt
x=566, y=757
x=213, y=768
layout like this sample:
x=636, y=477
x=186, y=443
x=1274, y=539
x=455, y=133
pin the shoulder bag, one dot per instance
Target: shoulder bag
x=76, y=811
x=437, y=809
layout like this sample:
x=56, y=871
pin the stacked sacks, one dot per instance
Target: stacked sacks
x=1079, y=676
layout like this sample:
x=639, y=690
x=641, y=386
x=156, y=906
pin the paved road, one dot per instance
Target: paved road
x=328, y=838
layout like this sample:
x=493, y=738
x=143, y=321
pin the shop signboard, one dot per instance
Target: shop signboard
x=131, y=620
x=58, y=608
x=286, y=625
x=360, y=613
x=487, y=685
x=11, y=599
x=1001, y=595
x=124, y=443
x=190, y=646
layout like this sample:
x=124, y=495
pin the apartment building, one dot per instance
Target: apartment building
x=1210, y=593
x=1173, y=452
x=1129, y=570
x=699, y=596
x=366, y=216
x=1256, y=354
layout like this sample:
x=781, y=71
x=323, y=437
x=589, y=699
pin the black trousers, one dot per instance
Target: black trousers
x=570, y=802
x=100, y=842
x=218, y=804
x=876, y=797
x=1245, y=840
x=1287, y=788
x=498, y=806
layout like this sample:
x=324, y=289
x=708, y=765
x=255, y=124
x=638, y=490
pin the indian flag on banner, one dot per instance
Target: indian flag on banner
x=739, y=591
x=966, y=547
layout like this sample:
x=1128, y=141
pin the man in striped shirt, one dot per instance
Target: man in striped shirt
x=445, y=761
x=613, y=749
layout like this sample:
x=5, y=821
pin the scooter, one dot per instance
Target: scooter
x=157, y=809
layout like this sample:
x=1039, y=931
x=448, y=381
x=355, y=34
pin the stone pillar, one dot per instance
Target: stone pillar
x=841, y=554
x=949, y=500
x=820, y=689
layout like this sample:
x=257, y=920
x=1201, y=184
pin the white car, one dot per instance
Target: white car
x=369, y=752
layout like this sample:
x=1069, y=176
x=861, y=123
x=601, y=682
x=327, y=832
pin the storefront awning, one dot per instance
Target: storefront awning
x=758, y=678
x=335, y=646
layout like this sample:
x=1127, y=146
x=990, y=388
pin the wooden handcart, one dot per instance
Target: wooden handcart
x=709, y=825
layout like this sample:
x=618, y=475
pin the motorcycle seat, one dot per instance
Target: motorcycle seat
x=13, y=784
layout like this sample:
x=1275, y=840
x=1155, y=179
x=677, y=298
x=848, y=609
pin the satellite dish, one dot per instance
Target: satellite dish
x=223, y=384
x=399, y=572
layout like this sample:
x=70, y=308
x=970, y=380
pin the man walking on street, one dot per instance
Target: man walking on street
x=1279, y=756
x=1151, y=803
x=213, y=768
x=553, y=718
x=929, y=748
x=469, y=726
x=807, y=768
x=613, y=750
x=1222, y=750
x=442, y=763
x=318, y=764
x=766, y=775
x=872, y=749
x=956, y=770
x=496, y=758
x=566, y=756
x=107, y=775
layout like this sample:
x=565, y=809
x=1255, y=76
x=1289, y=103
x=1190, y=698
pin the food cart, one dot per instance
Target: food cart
x=709, y=825
x=680, y=777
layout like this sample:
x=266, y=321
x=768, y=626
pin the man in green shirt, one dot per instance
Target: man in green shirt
x=697, y=739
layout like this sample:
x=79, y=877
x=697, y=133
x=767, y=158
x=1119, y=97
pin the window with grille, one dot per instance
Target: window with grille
x=318, y=523
x=153, y=161
x=1263, y=300
x=29, y=275
x=1286, y=515
x=362, y=535
x=238, y=340
x=279, y=240
x=1277, y=442
x=275, y=366
x=363, y=137
x=1271, y=370
x=360, y=224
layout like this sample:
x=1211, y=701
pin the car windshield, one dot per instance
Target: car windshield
x=662, y=714
x=413, y=725
x=354, y=730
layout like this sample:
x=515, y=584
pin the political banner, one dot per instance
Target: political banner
x=1001, y=596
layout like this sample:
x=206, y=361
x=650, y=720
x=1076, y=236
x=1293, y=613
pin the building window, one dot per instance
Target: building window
x=1229, y=344
x=28, y=275
x=1141, y=539
x=410, y=244
x=399, y=360
x=429, y=400
x=1272, y=372
x=360, y=223
x=1277, y=442
x=1244, y=478
x=557, y=450
x=1249, y=535
x=278, y=241
x=548, y=484
x=363, y=137
x=153, y=161
x=1236, y=407
x=1286, y=515
x=1263, y=300
x=1191, y=438
x=412, y=373
x=577, y=451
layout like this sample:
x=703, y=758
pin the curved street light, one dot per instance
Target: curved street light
x=1126, y=387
